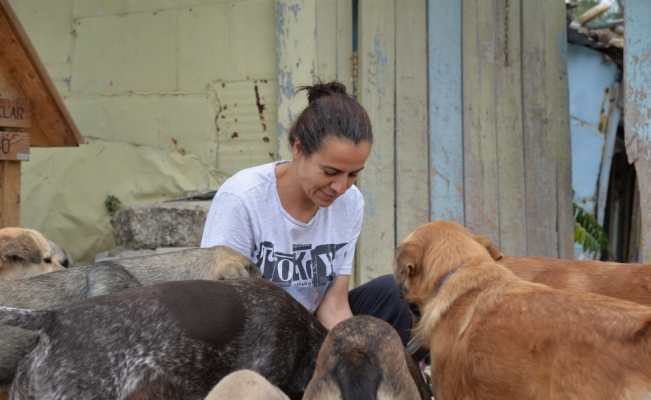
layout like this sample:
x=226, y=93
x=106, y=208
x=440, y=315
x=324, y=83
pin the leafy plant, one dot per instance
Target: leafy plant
x=112, y=204
x=588, y=232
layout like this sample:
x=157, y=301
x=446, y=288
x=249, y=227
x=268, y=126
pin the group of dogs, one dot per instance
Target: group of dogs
x=203, y=324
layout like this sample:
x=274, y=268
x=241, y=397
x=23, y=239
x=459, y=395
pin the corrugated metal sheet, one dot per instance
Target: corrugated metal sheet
x=591, y=78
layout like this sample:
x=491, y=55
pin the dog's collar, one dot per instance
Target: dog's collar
x=445, y=278
x=415, y=343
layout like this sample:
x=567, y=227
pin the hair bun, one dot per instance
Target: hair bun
x=319, y=90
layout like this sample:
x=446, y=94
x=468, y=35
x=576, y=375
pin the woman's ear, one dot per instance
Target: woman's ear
x=297, y=149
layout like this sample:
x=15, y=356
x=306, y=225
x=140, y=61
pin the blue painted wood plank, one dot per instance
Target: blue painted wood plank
x=445, y=110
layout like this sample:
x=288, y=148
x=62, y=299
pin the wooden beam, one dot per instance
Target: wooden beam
x=508, y=107
x=296, y=49
x=9, y=193
x=445, y=106
x=550, y=229
x=377, y=94
x=345, y=43
x=479, y=118
x=326, y=40
x=412, y=188
x=638, y=109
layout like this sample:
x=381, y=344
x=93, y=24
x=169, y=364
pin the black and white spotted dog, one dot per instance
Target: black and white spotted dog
x=172, y=340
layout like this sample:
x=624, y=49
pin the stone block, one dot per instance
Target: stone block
x=150, y=226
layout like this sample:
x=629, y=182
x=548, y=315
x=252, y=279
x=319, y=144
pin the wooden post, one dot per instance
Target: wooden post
x=14, y=148
x=9, y=193
x=412, y=141
x=445, y=110
x=376, y=243
x=296, y=57
x=638, y=108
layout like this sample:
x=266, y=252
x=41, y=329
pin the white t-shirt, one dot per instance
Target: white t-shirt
x=303, y=258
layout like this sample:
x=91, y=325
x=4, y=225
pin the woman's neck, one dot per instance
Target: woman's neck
x=292, y=197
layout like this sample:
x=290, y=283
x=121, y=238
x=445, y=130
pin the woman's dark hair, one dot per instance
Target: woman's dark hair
x=331, y=112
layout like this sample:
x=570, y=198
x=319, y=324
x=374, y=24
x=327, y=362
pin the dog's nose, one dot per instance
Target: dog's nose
x=253, y=270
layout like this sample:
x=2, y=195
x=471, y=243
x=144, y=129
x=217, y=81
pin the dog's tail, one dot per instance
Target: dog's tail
x=358, y=375
x=31, y=320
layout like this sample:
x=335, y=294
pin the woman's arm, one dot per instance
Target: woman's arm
x=335, y=308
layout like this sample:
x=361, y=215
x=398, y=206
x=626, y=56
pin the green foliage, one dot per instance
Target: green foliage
x=112, y=204
x=588, y=232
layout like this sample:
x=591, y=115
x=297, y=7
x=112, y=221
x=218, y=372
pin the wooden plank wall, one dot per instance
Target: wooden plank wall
x=548, y=178
x=296, y=48
x=517, y=171
x=376, y=83
x=445, y=110
x=334, y=35
x=392, y=82
x=495, y=152
x=412, y=140
x=637, y=81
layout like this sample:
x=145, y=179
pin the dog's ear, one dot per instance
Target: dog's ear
x=495, y=253
x=408, y=262
x=23, y=247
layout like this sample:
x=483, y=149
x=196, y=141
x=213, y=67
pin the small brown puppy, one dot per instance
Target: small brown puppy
x=493, y=335
x=630, y=282
x=25, y=253
x=363, y=358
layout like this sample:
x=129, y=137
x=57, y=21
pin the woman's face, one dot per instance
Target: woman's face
x=329, y=172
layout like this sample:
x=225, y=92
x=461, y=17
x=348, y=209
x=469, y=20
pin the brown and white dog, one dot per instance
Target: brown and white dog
x=170, y=340
x=363, y=358
x=25, y=253
x=493, y=335
x=630, y=282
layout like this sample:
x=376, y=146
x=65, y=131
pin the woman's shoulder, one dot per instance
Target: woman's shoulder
x=247, y=179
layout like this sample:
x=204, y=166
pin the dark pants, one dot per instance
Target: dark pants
x=380, y=298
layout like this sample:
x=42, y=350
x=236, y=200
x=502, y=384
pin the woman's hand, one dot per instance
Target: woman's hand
x=335, y=308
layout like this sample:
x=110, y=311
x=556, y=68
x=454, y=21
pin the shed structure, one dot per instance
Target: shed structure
x=31, y=111
x=469, y=106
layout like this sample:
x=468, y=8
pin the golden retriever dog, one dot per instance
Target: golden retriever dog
x=25, y=253
x=493, y=335
x=630, y=282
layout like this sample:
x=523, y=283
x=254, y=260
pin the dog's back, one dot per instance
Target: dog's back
x=149, y=340
x=362, y=358
x=630, y=282
x=624, y=281
x=61, y=288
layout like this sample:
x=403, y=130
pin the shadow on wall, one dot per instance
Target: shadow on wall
x=66, y=203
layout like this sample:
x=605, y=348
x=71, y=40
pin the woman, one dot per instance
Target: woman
x=299, y=220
